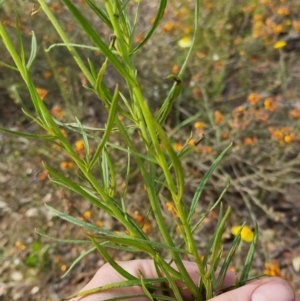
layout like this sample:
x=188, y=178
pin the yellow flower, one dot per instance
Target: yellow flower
x=20, y=246
x=41, y=92
x=139, y=38
x=168, y=27
x=139, y=218
x=57, y=111
x=269, y=104
x=99, y=224
x=178, y=146
x=224, y=135
x=175, y=69
x=288, y=138
x=248, y=141
x=191, y=142
x=218, y=117
x=185, y=42
x=297, y=26
x=147, y=226
x=239, y=110
x=207, y=149
x=66, y=165
x=253, y=98
x=272, y=269
x=169, y=206
x=43, y=175
x=278, y=135
x=87, y=214
x=247, y=234
x=79, y=145
x=279, y=28
x=199, y=125
x=295, y=113
x=283, y=11
x=279, y=45
x=63, y=268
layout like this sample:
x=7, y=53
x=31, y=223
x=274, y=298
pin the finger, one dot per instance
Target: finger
x=267, y=289
x=106, y=275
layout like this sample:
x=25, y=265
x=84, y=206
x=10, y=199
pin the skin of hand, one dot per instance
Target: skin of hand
x=265, y=289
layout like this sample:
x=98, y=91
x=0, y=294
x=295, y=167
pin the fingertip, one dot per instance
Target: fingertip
x=276, y=289
x=267, y=289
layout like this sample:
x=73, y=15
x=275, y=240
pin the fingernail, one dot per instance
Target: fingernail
x=276, y=290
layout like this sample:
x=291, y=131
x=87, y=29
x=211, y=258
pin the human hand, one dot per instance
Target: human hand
x=266, y=289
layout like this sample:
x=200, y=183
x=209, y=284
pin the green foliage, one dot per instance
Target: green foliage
x=153, y=153
x=39, y=256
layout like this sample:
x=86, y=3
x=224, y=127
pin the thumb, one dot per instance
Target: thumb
x=267, y=289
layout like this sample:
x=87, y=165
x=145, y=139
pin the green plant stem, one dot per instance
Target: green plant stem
x=144, y=115
x=65, y=39
x=158, y=216
x=123, y=50
x=8, y=44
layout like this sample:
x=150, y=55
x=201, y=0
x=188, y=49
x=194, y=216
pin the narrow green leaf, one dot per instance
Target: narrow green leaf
x=109, y=126
x=211, y=208
x=212, y=239
x=228, y=259
x=93, y=48
x=112, y=262
x=64, y=181
x=168, y=102
x=98, y=83
x=68, y=241
x=217, y=245
x=250, y=256
x=127, y=283
x=65, y=39
x=136, y=242
x=26, y=135
x=204, y=180
x=21, y=44
x=104, y=170
x=112, y=176
x=124, y=20
x=185, y=122
x=92, y=68
x=175, y=162
x=144, y=287
x=8, y=66
x=94, y=36
x=109, y=235
x=76, y=241
x=85, y=140
x=100, y=12
x=33, y=51
x=159, y=15
x=77, y=260
x=173, y=285
x=175, y=90
x=80, y=223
